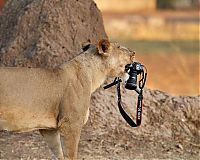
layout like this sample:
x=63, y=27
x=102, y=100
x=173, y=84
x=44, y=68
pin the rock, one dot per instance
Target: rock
x=179, y=146
x=39, y=33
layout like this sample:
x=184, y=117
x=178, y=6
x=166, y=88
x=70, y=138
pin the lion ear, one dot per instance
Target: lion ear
x=103, y=47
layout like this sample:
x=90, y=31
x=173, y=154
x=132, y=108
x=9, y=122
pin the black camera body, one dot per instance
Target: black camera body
x=133, y=69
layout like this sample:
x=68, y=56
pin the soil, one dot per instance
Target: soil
x=32, y=35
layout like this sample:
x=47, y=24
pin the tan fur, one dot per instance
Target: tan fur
x=57, y=101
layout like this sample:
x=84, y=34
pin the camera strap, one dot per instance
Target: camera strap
x=123, y=112
x=128, y=119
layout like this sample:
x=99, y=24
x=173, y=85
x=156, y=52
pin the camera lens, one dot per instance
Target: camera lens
x=131, y=83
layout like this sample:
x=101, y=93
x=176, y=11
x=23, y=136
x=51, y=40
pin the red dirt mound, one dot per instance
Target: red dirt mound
x=40, y=33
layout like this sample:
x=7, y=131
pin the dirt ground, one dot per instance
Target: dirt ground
x=103, y=146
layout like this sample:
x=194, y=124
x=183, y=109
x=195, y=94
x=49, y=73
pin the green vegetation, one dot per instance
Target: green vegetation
x=175, y=4
x=165, y=3
x=156, y=46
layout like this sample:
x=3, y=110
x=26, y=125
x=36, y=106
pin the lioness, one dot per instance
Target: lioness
x=57, y=101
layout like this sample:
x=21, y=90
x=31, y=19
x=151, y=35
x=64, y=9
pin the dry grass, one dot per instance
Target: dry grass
x=153, y=28
x=175, y=73
x=125, y=5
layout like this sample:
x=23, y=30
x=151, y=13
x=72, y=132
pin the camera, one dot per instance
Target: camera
x=133, y=69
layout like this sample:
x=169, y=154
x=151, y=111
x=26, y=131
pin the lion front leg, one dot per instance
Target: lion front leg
x=70, y=133
x=73, y=113
x=52, y=137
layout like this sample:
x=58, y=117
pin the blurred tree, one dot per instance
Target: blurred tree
x=165, y=3
x=178, y=4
